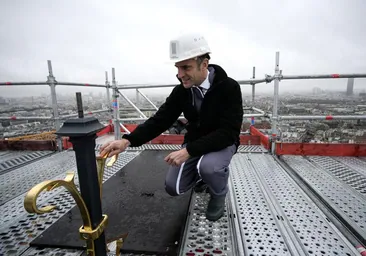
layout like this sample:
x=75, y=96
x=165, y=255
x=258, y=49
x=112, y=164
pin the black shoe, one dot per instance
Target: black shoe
x=215, y=208
x=200, y=186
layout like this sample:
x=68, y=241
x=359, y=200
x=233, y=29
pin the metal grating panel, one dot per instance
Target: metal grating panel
x=342, y=172
x=149, y=147
x=37, y=251
x=10, y=154
x=204, y=237
x=156, y=147
x=310, y=225
x=51, y=252
x=16, y=235
x=241, y=148
x=97, y=147
x=15, y=238
x=13, y=210
x=354, y=163
x=20, y=180
x=13, y=160
x=260, y=233
x=252, y=148
x=104, y=138
x=346, y=201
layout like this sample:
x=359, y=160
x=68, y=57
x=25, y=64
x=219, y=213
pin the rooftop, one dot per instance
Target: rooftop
x=284, y=198
x=277, y=205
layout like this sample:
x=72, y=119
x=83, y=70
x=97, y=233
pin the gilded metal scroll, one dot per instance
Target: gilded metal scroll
x=86, y=231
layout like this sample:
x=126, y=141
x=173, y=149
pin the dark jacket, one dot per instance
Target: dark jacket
x=217, y=125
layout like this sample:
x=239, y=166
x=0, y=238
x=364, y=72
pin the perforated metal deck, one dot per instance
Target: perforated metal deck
x=241, y=148
x=251, y=149
x=13, y=154
x=19, y=228
x=21, y=179
x=354, y=177
x=355, y=163
x=267, y=213
x=12, y=159
x=343, y=198
x=276, y=217
x=204, y=237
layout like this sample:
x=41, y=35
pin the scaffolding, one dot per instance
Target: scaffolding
x=118, y=123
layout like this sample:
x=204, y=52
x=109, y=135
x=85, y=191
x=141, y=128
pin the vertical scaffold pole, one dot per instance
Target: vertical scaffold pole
x=275, y=102
x=253, y=87
x=52, y=83
x=117, y=131
x=107, y=85
x=137, y=98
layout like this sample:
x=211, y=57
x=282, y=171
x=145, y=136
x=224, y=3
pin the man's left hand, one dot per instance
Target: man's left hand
x=177, y=157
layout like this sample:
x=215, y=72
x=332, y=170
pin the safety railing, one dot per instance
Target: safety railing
x=39, y=118
x=113, y=105
x=52, y=82
x=330, y=117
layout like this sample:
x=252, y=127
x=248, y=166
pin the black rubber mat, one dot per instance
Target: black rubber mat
x=135, y=202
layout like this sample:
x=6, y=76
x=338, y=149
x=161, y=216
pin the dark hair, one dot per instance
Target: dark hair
x=201, y=58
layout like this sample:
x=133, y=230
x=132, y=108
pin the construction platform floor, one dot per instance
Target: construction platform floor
x=275, y=206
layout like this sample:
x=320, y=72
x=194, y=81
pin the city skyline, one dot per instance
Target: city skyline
x=316, y=102
x=340, y=85
x=131, y=38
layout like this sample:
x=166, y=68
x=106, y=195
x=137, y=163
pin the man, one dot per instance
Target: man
x=212, y=104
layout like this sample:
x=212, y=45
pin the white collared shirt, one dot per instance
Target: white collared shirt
x=205, y=84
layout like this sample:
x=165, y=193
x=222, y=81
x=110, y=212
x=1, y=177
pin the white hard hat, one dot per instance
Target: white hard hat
x=188, y=46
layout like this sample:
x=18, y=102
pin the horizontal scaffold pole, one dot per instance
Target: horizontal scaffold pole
x=149, y=86
x=87, y=113
x=134, y=119
x=30, y=118
x=81, y=84
x=268, y=79
x=35, y=118
x=357, y=117
x=322, y=76
x=23, y=83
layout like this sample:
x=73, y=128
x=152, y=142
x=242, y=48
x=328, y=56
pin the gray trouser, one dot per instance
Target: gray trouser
x=212, y=168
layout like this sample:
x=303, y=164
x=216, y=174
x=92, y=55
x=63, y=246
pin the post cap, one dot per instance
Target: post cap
x=79, y=127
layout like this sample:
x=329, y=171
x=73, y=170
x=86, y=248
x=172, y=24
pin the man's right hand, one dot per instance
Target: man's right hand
x=114, y=147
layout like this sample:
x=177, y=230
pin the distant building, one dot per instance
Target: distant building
x=3, y=101
x=17, y=122
x=317, y=91
x=350, y=83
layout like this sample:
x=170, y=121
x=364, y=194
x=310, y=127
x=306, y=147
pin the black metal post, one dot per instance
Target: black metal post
x=82, y=133
x=253, y=87
x=79, y=103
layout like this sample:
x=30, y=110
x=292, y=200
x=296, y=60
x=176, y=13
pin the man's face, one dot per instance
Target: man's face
x=190, y=73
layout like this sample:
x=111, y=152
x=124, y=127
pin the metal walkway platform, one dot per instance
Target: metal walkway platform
x=10, y=160
x=276, y=217
x=267, y=212
x=338, y=186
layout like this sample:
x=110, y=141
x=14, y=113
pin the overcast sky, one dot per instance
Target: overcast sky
x=86, y=38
